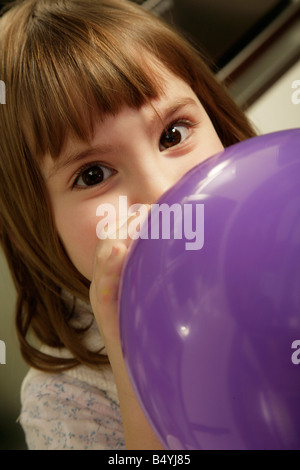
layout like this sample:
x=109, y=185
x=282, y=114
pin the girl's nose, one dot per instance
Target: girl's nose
x=148, y=190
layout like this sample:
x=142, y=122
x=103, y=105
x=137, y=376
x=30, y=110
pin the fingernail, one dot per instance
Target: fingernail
x=115, y=250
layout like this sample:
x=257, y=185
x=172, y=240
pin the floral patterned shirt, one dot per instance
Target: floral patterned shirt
x=60, y=411
x=76, y=409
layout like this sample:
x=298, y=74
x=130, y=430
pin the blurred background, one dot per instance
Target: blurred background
x=253, y=46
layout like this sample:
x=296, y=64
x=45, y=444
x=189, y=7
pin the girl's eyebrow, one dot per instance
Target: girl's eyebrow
x=97, y=150
x=72, y=158
x=165, y=114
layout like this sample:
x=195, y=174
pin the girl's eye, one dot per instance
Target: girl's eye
x=91, y=175
x=174, y=135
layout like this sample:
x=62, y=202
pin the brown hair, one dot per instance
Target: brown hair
x=61, y=61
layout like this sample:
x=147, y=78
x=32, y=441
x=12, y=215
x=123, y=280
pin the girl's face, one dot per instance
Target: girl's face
x=130, y=155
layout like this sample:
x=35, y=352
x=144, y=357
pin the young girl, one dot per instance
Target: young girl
x=103, y=100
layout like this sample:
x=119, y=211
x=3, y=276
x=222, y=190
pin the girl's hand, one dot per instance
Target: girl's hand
x=109, y=260
x=104, y=291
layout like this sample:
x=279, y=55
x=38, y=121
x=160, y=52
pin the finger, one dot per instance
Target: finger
x=104, y=294
x=107, y=282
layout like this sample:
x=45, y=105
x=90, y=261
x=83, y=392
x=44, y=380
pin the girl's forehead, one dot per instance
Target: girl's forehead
x=74, y=115
x=173, y=93
x=177, y=96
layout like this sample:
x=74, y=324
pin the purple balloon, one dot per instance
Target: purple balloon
x=209, y=333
